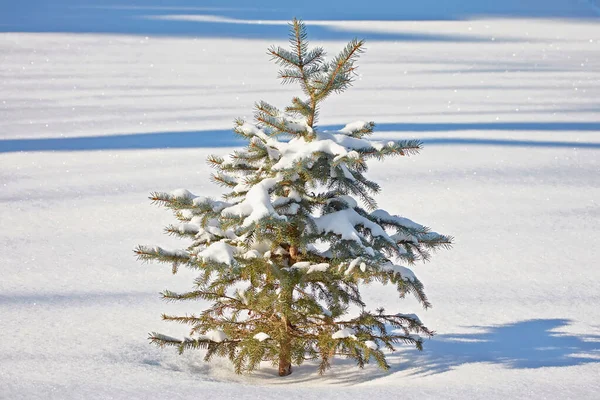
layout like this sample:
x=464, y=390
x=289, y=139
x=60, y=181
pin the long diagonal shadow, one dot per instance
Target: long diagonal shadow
x=519, y=345
x=225, y=138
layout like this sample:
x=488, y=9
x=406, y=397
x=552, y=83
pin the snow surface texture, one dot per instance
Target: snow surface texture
x=509, y=113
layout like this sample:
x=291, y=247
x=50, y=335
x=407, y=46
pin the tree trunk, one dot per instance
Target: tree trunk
x=285, y=357
x=293, y=254
x=285, y=343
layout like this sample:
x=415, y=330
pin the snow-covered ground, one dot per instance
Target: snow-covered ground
x=95, y=115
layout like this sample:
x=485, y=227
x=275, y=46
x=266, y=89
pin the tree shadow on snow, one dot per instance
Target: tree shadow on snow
x=520, y=345
x=536, y=343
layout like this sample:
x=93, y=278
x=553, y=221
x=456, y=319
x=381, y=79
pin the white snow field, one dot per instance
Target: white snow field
x=100, y=105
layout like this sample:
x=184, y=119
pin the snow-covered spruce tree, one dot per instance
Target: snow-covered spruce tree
x=281, y=258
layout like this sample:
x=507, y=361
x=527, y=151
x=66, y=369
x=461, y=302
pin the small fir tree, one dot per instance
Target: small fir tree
x=282, y=257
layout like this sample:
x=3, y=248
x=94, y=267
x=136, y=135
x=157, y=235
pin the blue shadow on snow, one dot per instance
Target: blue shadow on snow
x=226, y=138
x=142, y=17
x=519, y=345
